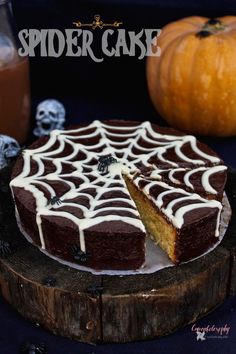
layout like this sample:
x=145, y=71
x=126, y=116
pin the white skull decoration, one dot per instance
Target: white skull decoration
x=9, y=148
x=50, y=115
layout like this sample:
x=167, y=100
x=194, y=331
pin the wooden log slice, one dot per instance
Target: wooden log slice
x=72, y=303
x=146, y=306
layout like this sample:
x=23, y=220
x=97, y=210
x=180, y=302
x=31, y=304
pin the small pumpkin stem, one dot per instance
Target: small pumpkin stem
x=203, y=34
x=212, y=26
x=213, y=21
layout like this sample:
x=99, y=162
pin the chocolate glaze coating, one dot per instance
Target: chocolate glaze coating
x=114, y=244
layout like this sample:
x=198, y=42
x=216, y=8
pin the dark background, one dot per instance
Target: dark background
x=115, y=88
x=120, y=79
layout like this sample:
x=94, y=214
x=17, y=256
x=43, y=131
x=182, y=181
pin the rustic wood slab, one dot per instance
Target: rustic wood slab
x=92, y=308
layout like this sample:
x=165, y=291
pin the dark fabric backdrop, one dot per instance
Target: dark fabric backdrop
x=115, y=88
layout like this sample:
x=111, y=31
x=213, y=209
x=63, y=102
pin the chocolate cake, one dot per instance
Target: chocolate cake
x=89, y=195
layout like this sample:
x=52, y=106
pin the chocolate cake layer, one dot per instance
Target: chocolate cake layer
x=72, y=198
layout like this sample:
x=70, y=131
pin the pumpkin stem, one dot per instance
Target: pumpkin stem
x=214, y=22
x=212, y=26
x=203, y=33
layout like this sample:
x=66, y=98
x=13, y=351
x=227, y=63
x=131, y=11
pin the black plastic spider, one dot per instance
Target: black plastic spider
x=30, y=348
x=104, y=162
x=79, y=255
x=55, y=200
x=5, y=248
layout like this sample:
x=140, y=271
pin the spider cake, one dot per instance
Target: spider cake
x=92, y=194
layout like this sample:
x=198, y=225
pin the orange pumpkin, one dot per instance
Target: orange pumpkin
x=193, y=82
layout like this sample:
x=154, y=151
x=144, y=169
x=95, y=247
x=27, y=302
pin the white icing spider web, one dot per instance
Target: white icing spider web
x=137, y=148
